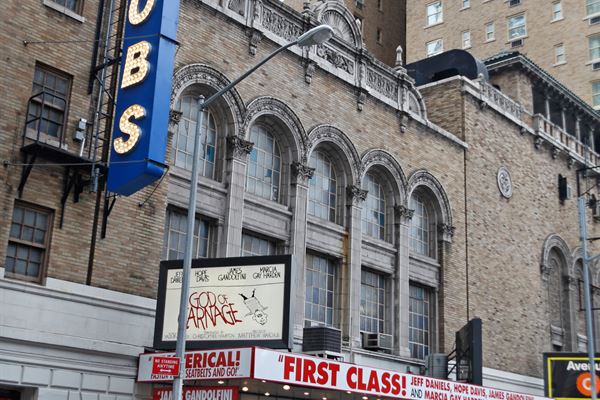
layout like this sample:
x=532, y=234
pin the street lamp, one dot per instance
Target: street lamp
x=581, y=208
x=317, y=35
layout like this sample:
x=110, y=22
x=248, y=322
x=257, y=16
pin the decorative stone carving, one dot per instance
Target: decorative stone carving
x=258, y=6
x=302, y=172
x=538, y=142
x=174, y=118
x=572, y=282
x=523, y=130
x=239, y=6
x=238, y=147
x=340, y=26
x=496, y=97
x=362, y=97
x=280, y=25
x=379, y=83
x=399, y=61
x=403, y=121
x=555, y=152
x=335, y=58
x=404, y=212
x=356, y=195
x=390, y=164
x=504, y=182
x=570, y=162
x=309, y=70
x=446, y=232
x=255, y=39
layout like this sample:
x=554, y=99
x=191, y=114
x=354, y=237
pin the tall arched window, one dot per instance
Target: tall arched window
x=264, y=164
x=420, y=226
x=373, y=213
x=183, y=143
x=322, y=188
x=557, y=303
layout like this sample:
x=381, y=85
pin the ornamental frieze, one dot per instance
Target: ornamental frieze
x=380, y=84
x=336, y=59
x=280, y=25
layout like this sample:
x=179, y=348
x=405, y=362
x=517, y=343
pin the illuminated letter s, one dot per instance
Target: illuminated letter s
x=136, y=16
x=129, y=128
x=136, y=64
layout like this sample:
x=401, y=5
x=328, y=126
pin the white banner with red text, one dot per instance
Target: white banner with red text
x=207, y=364
x=302, y=370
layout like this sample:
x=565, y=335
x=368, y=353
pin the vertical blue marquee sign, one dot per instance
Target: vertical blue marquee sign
x=139, y=139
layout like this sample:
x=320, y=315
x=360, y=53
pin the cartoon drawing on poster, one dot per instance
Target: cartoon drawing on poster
x=255, y=308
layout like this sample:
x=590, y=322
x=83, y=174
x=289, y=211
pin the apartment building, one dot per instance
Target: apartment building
x=562, y=37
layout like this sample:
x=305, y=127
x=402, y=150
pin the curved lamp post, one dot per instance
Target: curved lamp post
x=317, y=35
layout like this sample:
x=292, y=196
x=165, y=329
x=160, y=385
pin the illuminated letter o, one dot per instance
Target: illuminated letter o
x=137, y=17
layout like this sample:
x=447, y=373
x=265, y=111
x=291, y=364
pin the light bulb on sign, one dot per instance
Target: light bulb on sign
x=136, y=17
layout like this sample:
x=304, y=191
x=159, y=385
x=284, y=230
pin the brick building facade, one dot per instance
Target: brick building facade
x=408, y=210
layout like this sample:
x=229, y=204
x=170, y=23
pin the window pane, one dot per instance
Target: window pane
x=419, y=329
x=373, y=212
x=322, y=187
x=321, y=289
x=176, y=236
x=372, y=293
x=592, y=6
x=264, y=164
x=594, y=47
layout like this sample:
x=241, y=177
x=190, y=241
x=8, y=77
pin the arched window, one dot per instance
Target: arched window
x=421, y=234
x=183, y=143
x=322, y=188
x=264, y=164
x=373, y=213
x=559, y=321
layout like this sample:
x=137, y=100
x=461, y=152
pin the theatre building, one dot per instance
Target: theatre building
x=398, y=203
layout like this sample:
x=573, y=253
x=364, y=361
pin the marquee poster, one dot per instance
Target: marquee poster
x=232, y=301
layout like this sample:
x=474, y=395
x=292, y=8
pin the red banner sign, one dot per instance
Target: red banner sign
x=198, y=393
x=165, y=366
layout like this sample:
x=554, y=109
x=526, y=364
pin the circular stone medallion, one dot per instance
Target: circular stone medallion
x=504, y=182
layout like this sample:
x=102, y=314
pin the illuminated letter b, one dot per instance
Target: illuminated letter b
x=129, y=128
x=136, y=65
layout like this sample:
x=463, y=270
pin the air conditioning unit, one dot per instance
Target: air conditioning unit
x=595, y=66
x=514, y=2
x=377, y=341
x=322, y=340
x=594, y=20
x=516, y=43
x=437, y=365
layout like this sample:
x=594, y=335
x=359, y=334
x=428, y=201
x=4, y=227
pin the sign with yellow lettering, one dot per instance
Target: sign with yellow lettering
x=139, y=138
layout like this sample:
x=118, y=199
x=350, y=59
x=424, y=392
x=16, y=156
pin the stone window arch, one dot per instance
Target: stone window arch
x=556, y=259
x=331, y=143
x=279, y=141
x=223, y=118
x=431, y=222
x=335, y=14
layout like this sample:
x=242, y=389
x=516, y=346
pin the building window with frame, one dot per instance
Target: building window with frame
x=372, y=302
x=322, y=187
x=176, y=236
x=379, y=36
x=559, y=54
x=183, y=142
x=594, y=47
x=434, y=47
x=466, y=39
x=264, y=164
x=380, y=5
x=596, y=94
x=48, y=108
x=466, y=4
x=557, y=12
x=419, y=321
x=28, y=242
x=517, y=27
x=373, y=212
x=490, y=32
x=434, y=13
x=72, y=5
x=321, y=281
x=257, y=246
x=592, y=7
x=422, y=232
